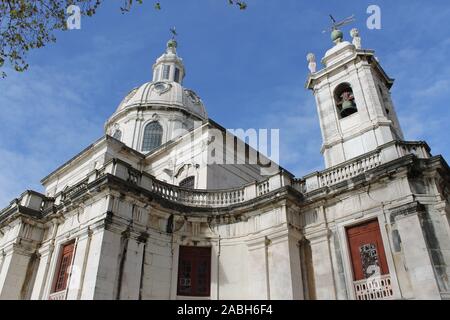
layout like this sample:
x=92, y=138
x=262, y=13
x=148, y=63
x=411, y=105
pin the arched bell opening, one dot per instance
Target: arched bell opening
x=345, y=100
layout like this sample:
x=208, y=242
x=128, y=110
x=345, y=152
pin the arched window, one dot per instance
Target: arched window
x=166, y=72
x=188, y=183
x=345, y=100
x=177, y=75
x=152, y=136
x=117, y=135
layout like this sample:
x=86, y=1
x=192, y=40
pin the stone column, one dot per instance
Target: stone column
x=14, y=270
x=285, y=272
x=100, y=279
x=322, y=265
x=78, y=269
x=417, y=258
x=131, y=272
x=259, y=288
x=45, y=254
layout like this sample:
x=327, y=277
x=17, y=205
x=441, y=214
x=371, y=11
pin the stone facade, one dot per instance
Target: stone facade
x=272, y=236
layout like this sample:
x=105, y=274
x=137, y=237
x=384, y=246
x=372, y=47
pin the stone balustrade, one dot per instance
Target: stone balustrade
x=376, y=288
x=359, y=165
x=192, y=197
x=224, y=198
x=350, y=169
x=61, y=295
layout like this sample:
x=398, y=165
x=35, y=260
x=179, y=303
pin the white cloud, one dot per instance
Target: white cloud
x=44, y=122
x=435, y=89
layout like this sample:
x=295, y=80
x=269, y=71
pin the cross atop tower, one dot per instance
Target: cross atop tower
x=173, y=30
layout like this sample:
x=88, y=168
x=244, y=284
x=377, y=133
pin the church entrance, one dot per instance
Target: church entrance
x=194, y=271
x=370, y=270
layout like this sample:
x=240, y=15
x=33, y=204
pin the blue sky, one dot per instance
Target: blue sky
x=249, y=67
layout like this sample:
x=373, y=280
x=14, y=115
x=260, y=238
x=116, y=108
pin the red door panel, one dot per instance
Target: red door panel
x=194, y=271
x=367, y=250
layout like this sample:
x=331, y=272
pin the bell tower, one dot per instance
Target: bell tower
x=353, y=100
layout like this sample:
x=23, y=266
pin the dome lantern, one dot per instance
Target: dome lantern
x=169, y=67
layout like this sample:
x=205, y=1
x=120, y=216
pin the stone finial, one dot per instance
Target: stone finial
x=312, y=65
x=337, y=36
x=172, y=46
x=354, y=33
x=172, y=43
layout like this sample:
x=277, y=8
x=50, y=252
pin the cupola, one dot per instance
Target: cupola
x=169, y=67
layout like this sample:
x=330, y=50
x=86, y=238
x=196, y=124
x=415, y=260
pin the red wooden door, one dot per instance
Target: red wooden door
x=367, y=251
x=194, y=271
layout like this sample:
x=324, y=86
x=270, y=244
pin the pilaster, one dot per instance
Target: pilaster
x=417, y=258
x=323, y=265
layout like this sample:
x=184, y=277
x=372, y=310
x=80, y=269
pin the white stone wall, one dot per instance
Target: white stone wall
x=407, y=246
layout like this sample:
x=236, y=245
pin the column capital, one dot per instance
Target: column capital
x=319, y=236
x=406, y=210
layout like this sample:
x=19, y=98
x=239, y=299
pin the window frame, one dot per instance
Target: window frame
x=67, y=268
x=150, y=136
x=166, y=72
x=177, y=75
x=187, y=183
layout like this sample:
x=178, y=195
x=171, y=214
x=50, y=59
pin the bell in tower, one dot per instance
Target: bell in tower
x=345, y=100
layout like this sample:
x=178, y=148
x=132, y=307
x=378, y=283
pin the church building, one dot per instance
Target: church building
x=168, y=204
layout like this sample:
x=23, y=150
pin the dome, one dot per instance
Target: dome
x=164, y=94
x=166, y=89
x=160, y=110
